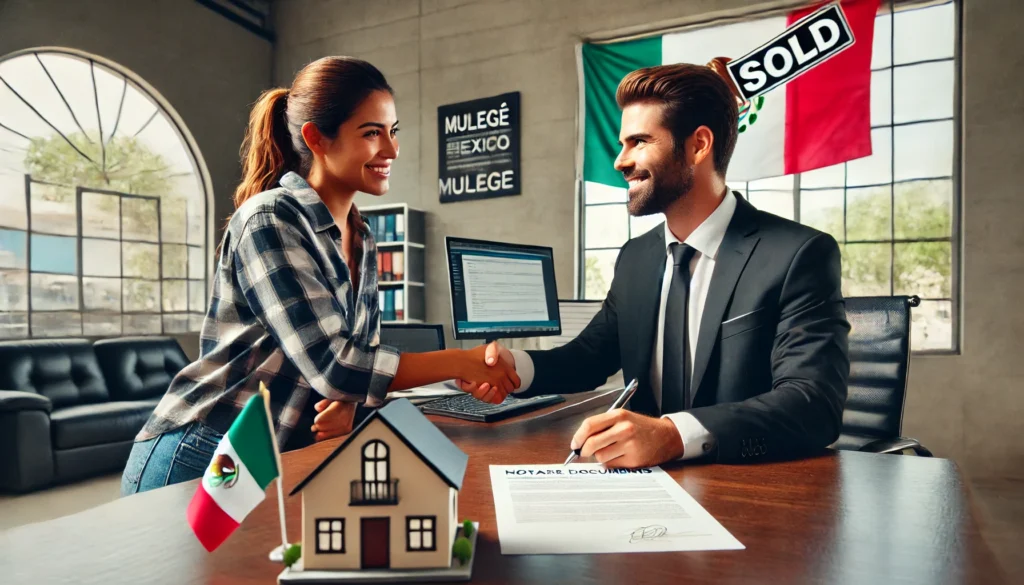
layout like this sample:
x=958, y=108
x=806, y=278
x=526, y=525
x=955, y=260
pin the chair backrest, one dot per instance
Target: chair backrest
x=879, y=360
x=413, y=338
x=63, y=370
x=137, y=368
x=575, y=315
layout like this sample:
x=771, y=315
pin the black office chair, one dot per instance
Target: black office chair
x=879, y=360
x=413, y=338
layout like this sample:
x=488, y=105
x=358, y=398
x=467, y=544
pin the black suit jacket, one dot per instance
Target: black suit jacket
x=771, y=365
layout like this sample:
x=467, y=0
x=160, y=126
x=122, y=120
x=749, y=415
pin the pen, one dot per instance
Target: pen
x=621, y=401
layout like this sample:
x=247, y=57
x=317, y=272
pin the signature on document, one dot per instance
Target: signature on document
x=657, y=532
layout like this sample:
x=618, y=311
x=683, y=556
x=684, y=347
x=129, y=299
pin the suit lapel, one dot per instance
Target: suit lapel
x=737, y=245
x=650, y=271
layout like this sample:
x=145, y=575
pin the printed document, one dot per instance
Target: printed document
x=585, y=508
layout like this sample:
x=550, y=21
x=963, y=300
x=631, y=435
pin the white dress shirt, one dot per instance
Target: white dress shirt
x=706, y=240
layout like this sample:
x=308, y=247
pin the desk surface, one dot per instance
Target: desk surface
x=837, y=518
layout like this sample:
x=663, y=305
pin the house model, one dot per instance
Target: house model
x=386, y=498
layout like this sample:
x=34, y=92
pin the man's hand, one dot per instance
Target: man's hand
x=622, y=438
x=493, y=379
x=492, y=354
x=334, y=419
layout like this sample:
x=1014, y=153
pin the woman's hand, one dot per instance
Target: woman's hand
x=489, y=383
x=334, y=419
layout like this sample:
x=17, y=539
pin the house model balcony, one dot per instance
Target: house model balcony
x=374, y=493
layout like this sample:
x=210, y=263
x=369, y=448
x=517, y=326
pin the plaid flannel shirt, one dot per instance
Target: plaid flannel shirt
x=282, y=312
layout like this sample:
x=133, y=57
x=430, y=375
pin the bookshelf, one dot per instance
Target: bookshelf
x=401, y=234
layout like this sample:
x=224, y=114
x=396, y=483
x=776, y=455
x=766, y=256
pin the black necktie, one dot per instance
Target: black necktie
x=675, y=379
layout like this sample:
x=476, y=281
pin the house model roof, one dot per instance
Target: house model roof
x=418, y=433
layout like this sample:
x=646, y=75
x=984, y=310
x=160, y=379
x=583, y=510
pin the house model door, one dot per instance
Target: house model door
x=375, y=535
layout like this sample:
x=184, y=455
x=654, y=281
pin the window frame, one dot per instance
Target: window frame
x=204, y=192
x=955, y=239
x=80, y=274
x=409, y=531
x=376, y=460
x=330, y=532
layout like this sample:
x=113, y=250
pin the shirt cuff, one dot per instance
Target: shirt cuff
x=524, y=367
x=385, y=365
x=697, y=440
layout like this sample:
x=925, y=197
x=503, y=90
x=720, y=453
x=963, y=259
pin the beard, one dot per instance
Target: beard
x=664, y=184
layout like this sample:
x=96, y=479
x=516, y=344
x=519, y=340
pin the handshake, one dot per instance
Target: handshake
x=489, y=373
x=617, y=438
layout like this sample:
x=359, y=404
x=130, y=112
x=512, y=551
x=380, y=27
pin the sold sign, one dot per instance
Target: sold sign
x=812, y=40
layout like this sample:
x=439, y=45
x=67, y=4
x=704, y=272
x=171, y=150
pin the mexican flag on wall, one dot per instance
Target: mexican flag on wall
x=817, y=120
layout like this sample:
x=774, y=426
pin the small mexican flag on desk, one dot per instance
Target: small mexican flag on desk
x=244, y=464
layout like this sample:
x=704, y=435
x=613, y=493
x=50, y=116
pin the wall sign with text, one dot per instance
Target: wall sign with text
x=478, y=149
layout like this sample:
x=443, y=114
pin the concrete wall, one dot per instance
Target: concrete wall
x=971, y=407
x=207, y=67
x=437, y=52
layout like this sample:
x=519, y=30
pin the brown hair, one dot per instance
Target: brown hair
x=325, y=92
x=693, y=96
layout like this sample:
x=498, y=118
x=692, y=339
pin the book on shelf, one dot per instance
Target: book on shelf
x=389, y=235
x=388, y=274
x=389, y=305
x=392, y=305
x=398, y=265
x=387, y=227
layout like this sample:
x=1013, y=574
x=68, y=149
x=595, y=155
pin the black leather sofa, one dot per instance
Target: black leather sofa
x=70, y=408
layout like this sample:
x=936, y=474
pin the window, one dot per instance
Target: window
x=893, y=213
x=103, y=203
x=421, y=531
x=376, y=471
x=330, y=535
x=375, y=461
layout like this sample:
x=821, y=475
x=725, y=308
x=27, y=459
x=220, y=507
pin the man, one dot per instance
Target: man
x=731, y=319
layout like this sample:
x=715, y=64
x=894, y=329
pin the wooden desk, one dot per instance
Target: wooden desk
x=834, y=519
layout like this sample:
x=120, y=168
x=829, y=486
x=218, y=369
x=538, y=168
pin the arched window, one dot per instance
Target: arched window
x=375, y=462
x=104, y=201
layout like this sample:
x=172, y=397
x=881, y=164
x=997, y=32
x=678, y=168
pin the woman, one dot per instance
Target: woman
x=294, y=301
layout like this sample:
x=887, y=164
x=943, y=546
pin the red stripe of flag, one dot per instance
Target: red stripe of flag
x=210, y=523
x=828, y=109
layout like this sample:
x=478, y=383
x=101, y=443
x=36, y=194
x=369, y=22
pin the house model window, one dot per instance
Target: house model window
x=330, y=535
x=420, y=530
x=376, y=471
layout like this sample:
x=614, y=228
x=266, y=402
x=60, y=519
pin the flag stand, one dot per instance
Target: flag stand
x=280, y=470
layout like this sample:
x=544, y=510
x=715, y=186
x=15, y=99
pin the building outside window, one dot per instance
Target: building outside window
x=104, y=226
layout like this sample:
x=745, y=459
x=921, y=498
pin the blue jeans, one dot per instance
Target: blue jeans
x=175, y=456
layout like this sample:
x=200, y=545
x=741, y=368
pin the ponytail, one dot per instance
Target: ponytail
x=326, y=92
x=267, y=151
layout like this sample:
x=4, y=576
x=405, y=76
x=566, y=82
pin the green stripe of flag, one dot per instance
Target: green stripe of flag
x=250, y=436
x=604, y=66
